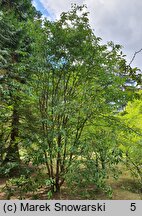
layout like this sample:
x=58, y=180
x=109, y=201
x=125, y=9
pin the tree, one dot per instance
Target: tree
x=15, y=50
x=132, y=138
x=77, y=82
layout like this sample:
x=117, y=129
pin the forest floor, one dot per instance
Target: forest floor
x=124, y=188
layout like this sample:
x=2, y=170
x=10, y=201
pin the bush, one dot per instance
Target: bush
x=85, y=173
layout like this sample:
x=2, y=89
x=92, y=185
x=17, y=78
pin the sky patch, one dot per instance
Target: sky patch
x=40, y=7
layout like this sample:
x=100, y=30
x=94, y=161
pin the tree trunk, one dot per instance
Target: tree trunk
x=13, y=151
x=57, y=185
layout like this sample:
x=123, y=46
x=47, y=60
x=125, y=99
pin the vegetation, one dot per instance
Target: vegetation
x=67, y=115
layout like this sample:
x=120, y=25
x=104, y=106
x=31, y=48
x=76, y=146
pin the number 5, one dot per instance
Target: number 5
x=133, y=207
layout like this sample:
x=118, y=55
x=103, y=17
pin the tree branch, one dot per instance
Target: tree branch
x=134, y=56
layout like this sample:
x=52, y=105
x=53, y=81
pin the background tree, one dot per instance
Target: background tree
x=15, y=50
x=132, y=139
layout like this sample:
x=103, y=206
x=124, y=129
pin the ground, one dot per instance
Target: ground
x=125, y=188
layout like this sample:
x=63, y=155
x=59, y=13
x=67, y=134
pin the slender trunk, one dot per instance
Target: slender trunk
x=47, y=164
x=103, y=161
x=103, y=165
x=12, y=150
x=97, y=163
x=57, y=185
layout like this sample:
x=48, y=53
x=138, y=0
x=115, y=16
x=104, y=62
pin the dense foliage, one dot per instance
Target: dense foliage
x=62, y=101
